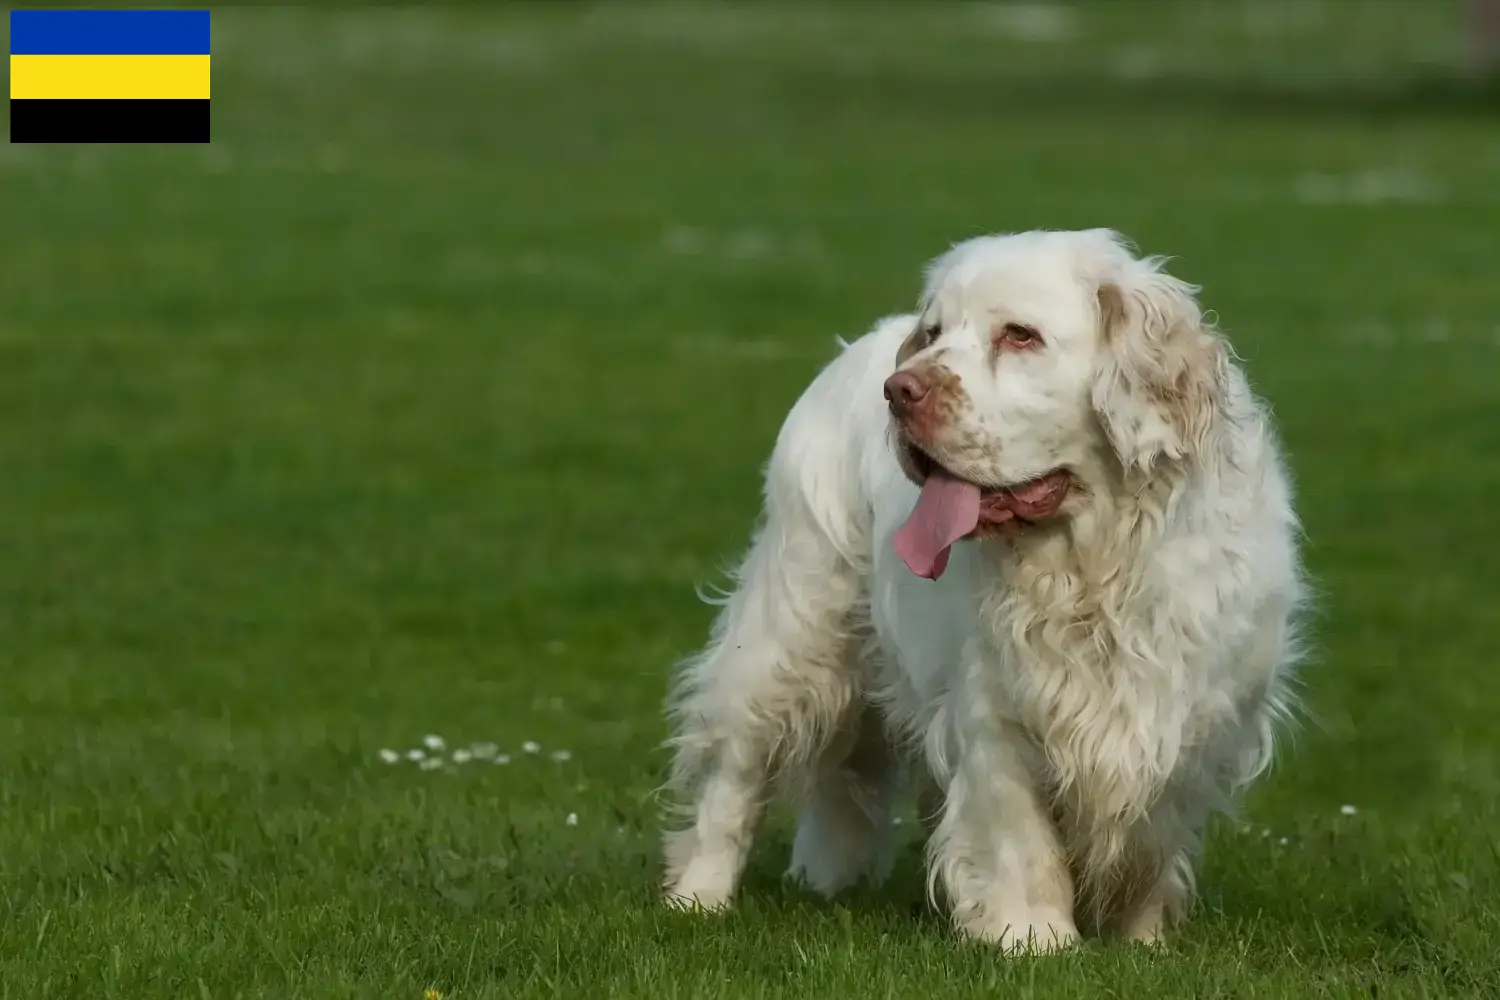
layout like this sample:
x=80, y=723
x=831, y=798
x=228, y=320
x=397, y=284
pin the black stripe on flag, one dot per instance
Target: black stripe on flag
x=109, y=120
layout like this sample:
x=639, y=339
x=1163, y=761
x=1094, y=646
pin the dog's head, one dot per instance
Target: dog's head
x=1038, y=357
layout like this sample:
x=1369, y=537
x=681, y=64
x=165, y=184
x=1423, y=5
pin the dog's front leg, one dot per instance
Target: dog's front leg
x=996, y=851
x=762, y=700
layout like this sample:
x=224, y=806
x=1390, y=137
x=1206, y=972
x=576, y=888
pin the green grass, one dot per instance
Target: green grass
x=422, y=399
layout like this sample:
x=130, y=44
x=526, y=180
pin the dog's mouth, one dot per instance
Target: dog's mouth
x=1033, y=499
x=951, y=508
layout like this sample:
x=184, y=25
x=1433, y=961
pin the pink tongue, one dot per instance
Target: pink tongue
x=947, y=510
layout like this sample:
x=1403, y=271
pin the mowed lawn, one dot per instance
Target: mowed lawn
x=421, y=401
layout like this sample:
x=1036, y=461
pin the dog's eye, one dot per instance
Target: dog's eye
x=1018, y=335
x=932, y=333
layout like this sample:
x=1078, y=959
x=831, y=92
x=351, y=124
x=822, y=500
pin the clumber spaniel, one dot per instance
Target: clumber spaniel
x=1051, y=570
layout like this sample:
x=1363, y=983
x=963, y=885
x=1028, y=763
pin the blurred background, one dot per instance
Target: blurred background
x=420, y=401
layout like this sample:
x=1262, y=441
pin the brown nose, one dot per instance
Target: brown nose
x=905, y=391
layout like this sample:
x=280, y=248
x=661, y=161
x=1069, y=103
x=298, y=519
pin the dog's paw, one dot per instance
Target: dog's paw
x=699, y=901
x=1148, y=927
x=1033, y=933
x=696, y=902
x=703, y=886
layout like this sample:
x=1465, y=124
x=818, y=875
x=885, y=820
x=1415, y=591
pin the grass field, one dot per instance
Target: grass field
x=422, y=399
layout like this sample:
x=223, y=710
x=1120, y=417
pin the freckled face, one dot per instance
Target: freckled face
x=993, y=382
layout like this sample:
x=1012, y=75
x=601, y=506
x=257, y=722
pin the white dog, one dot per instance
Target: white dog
x=1087, y=650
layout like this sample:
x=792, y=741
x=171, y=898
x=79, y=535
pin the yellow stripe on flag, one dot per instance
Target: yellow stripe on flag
x=117, y=77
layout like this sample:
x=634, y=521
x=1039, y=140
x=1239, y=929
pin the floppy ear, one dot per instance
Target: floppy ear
x=1160, y=388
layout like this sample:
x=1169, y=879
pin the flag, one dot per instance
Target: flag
x=109, y=76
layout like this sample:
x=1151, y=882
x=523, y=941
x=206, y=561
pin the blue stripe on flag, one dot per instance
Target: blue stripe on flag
x=109, y=33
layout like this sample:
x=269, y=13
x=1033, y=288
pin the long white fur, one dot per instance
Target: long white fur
x=1076, y=701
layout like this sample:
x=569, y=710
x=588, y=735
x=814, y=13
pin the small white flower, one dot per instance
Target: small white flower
x=1282, y=841
x=462, y=756
x=562, y=755
x=897, y=821
x=502, y=758
x=431, y=764
x=572, y=819
x=415, y=754
x=531, y=747
x=484, y=751
x=1264, y=834
x=1348, y=810
x=389, y=756
x=434, y=742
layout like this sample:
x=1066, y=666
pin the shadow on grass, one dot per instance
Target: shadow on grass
x=1319, y=906
x=1411, y=95
x=901, y=899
